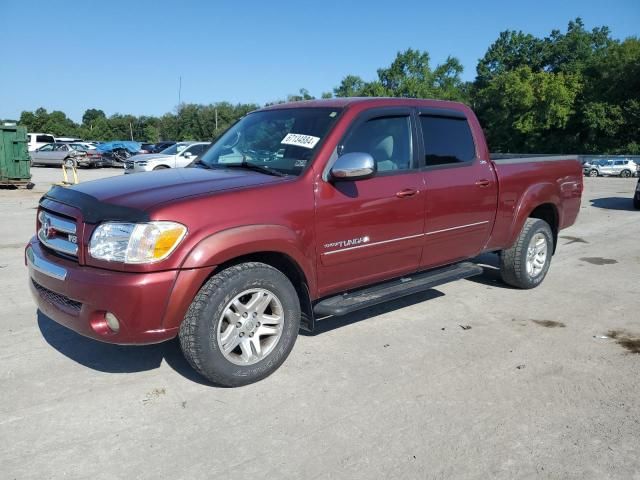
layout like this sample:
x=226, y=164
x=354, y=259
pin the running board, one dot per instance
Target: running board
x=393, y=289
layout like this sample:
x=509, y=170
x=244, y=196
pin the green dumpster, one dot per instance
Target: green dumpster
x=15, y=162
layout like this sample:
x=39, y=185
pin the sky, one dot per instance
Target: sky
x=128, y=56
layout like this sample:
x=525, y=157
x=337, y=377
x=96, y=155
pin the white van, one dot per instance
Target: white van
x=37, y=140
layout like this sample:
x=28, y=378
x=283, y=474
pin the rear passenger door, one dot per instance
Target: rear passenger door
x=607, y=168
x=461, y=189
x=60, y=152
x=371, y=229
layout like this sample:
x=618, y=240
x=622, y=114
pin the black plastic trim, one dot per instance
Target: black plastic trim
x=93, y=210
x=342, y=304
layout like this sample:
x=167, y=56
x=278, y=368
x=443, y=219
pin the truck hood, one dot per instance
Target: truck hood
x=143, y=191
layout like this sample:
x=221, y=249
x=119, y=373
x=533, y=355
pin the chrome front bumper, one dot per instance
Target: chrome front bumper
x=43, y=266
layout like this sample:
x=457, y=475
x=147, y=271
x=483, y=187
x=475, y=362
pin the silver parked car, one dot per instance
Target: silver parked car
x=616, y=167
x=58, y=153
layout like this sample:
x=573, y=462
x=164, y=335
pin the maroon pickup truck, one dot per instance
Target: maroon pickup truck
x=299, y=211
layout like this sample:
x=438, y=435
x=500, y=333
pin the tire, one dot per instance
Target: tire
x=70, y=162
x=160, y=167
x=514, y=261
x=625, y=173
x=593, y=173
x=205, y=325
x=636, y=202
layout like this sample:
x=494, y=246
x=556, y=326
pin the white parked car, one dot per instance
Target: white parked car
x=37, y=140
x=176, y=156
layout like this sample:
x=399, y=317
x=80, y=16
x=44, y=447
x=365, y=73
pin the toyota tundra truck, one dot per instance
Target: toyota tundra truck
x=297, y=212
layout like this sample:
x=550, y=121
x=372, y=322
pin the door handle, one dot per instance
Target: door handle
x=483, y=183
x=407, y=192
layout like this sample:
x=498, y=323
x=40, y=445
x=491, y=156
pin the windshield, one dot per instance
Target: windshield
x=173, y=149
x=279, y=140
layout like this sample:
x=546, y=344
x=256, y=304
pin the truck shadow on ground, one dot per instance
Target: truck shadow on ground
x=614, y=203
x=490, y=263
x=108, y=358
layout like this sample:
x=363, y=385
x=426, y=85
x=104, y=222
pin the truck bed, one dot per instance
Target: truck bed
x=523, y=181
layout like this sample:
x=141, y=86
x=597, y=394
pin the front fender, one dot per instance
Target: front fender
x=240, y=241
x=536, y=195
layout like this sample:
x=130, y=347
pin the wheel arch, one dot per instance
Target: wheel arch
x=549, y=213
x=274, y=245
x=539, y=201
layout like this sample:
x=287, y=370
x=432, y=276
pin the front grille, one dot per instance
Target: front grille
x=58, y=233
x=56, y=298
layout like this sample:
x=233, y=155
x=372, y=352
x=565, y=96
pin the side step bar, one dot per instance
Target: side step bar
x=383, y=292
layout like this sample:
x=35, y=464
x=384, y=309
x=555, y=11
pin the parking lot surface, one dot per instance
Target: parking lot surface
x=470, y=380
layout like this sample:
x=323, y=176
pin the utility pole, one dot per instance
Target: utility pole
x=131, y=131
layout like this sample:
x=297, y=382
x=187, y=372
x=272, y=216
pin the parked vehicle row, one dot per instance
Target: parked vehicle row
x=109, y=154
x=77, y=154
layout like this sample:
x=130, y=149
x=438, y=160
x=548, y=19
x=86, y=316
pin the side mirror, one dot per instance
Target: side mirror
x=353, y=166
x=187, y=154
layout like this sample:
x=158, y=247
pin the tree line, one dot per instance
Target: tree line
x=569, y=92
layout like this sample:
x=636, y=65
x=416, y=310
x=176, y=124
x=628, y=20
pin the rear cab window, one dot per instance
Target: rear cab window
x=447, y=140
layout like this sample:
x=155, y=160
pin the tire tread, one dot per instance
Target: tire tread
x=190, y=342
x=512, y=267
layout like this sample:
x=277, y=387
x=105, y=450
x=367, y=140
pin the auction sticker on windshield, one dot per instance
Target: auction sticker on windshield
x=299, y=140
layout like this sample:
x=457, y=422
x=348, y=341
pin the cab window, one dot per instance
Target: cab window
x=386, y=139
x=447, y=140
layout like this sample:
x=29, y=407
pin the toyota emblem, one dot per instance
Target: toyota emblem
x=48, y=230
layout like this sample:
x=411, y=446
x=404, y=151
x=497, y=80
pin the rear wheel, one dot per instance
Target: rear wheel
x=242, y=324
x=593, y=173
x=625, y=173
x=526, y=263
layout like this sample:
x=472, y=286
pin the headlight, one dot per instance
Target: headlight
x=135, y=242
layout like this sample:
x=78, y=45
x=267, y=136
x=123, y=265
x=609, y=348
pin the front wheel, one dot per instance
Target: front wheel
x=526, y=263
x=242, y=324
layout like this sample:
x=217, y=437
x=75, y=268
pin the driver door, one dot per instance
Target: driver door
x=371, y=229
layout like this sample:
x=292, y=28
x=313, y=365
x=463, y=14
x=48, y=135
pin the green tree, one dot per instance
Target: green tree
x=510, y=51
x=409, y=75
x=90, y=116
x=528, y=111
x=351, y=86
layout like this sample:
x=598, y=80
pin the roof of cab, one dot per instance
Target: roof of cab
x=342, y=102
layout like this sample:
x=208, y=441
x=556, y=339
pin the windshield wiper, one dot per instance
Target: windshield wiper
x=255, y=168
